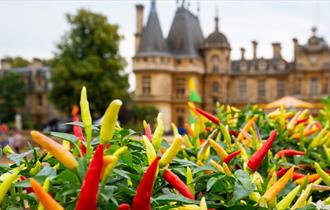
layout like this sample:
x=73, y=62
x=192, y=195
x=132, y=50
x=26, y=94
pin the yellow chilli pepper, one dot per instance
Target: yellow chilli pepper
x=45, y=186
x=189, y=181
x=287, y=200
x=272, y=192
x=217, y=166
x=86, y=119
x=109, y=121
x=174, y=129
x=247, y=127
x=218, y=149
x=325, y=177
x=327, y=152
x=316, y=140
x=272, y=180
x=150, y=151
x=35, y=169
x=107, y=160
x=56, y=149
x=171, y=151
x=158, y=134
x=202, y=153
x=203, y=205
x=226, y=169
x=120, y=151
x=302, y=200
x=6, y=184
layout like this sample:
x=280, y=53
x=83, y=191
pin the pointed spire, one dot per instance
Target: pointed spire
x=153, y=4
x=216, y=19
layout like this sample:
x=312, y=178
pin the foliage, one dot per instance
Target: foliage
x=88, y=55
x=136, y=114
x=17, y=61
x=12, y=95
x=235, y=187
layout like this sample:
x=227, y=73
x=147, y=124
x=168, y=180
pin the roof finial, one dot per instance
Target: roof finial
x=153, y=4
x=216, y=19
x=314, y=30
x=198, y=8
x=182, y=3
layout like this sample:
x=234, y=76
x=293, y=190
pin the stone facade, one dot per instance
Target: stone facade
x=163, y=67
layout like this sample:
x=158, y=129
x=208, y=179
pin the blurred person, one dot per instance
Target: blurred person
x=16, y=141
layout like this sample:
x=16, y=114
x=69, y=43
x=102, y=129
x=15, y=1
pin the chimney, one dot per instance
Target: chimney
x=5, y=64
x=295, y=47
x=276, y=50
x=254, y=45
x=139, y=25
x=242, y=53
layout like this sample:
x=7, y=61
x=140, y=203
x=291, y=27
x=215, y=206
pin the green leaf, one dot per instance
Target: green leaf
x=174, y=197
x=47, y=171
x=65, y=136
x=17, y=158
x=243, y=186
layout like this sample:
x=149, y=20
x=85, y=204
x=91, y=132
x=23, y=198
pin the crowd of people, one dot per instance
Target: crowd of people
x=13, y=138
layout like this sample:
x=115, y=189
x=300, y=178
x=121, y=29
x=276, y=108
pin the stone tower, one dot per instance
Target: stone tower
x=216, y=50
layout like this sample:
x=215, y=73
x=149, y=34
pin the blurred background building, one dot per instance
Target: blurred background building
x=37, y=78
x=164, y=65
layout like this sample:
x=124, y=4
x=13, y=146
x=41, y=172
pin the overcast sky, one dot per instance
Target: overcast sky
x=32, y=28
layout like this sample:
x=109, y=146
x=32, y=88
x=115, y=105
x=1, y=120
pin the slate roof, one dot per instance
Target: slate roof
x=152, y=40
x=185, y=37
x=216, y=39
x=270, y=66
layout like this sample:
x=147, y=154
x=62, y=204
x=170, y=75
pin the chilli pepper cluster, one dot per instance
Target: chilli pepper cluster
x=234, y=159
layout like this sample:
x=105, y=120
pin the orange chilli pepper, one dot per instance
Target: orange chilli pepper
x=45, y=199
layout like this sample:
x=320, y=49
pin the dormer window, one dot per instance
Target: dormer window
x=262, y=64
x=215, y=64
x=243, y=66
x=281, y=65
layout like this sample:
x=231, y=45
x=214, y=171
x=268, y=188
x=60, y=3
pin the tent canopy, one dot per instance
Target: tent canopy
x=289, y=102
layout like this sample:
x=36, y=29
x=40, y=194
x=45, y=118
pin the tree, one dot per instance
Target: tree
x=12, y=95
x=88, y=55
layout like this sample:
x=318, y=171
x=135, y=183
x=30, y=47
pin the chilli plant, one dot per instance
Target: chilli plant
x=238, y=159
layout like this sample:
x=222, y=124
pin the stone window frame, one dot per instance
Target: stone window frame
x=280, y=88
x=313, y=86
x=146, y=85
x=180, y=86
x=261, y=88
x=215, y=62
x=242, y=88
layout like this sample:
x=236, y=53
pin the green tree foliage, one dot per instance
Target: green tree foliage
x=12, y=95
x=17, y=61
x=88, y=55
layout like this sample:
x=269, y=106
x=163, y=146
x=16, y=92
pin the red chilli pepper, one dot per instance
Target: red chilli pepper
x=257, y=158
x=233, y=133
x=78, y=132
x=177, y=183
x=289, y=153
x=231, y=156
x=148, y=132
x=301, y=121
x=124, y=206
x=141, y=200
x=296, y=175
x=88, y=195
x=207, y=115
x=282, y=171
x=28, y=189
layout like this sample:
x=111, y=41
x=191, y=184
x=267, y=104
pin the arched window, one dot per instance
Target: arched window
x=215, y=64
x=215, y=87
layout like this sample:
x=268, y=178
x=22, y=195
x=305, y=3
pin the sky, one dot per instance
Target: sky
x=32, y=28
